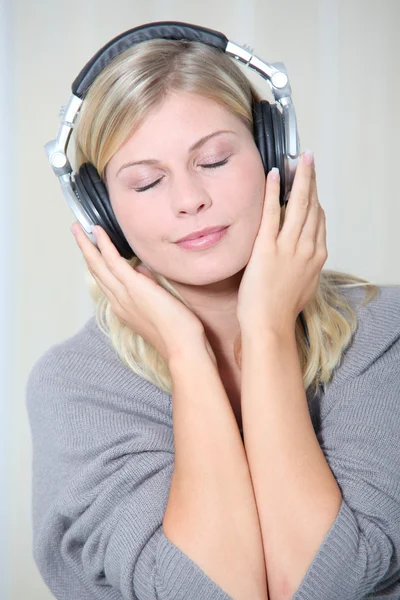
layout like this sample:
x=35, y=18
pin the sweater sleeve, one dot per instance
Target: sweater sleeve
x=359, y=435
x=103, y=460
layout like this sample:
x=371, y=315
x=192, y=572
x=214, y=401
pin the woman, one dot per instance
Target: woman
x=142, y=485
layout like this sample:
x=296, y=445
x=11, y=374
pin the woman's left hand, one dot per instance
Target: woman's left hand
x=283, y=272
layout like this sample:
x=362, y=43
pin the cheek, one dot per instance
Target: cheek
x=142, y=229
x=139, y=225
x=247, y=188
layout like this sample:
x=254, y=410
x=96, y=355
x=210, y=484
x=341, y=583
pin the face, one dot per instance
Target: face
x=184, y=194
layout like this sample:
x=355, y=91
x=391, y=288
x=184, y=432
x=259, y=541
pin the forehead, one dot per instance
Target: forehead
x=185, y=109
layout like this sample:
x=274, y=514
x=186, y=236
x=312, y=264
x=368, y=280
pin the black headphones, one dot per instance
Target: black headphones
x=275, y=126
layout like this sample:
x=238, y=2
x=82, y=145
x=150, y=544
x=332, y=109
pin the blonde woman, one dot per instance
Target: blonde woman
x=190, y=442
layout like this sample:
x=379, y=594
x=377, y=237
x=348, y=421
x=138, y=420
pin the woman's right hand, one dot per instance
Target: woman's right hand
x=138, y=300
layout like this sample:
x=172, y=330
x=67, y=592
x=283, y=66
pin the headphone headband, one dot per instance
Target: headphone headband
x=167, y=30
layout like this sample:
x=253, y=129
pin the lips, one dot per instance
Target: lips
x=204, y=241
x=201, y=232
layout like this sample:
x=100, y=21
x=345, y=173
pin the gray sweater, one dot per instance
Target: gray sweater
x=103, y=458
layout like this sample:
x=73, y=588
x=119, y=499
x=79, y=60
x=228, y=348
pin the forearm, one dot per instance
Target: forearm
x=211, y=513
x=297, y=495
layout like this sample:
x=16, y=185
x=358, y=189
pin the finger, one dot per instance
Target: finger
x=96, y=264
x=297, y=207
x=309, y=232
x=321, y=236
x=115, y=305
x=270, y=222
x=104, y=289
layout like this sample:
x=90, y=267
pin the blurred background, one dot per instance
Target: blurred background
x=343, y=60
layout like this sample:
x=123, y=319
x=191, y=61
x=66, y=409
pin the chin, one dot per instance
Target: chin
x=204, y=274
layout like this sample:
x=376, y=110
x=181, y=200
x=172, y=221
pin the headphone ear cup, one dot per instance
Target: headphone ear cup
x=262, y=137
x=280, y=149
x=268, y=133
x=85, y=200
x=97, y=203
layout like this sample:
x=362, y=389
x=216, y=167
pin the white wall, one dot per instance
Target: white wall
x=332, y=50
x=7, y=287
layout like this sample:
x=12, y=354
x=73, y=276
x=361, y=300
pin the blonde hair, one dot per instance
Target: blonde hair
x=119, y=99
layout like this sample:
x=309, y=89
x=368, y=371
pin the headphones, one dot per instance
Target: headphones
x=275, y=126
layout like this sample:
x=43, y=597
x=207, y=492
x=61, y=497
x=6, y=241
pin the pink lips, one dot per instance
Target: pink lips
x=203, y=242
x=201, y=232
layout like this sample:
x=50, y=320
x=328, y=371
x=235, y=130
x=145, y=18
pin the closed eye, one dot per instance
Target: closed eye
x=214, y=165
x=210, y=166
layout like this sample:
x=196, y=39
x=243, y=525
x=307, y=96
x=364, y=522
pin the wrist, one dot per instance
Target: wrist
x=268, y=335
x=196, y=348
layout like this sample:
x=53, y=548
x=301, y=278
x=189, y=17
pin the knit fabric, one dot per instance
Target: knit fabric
x=103, y=459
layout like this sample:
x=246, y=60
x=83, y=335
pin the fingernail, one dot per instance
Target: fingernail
x=308, y=156
x=74, y=228
x=274, y=174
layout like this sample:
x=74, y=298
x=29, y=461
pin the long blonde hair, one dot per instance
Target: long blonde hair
x=117, y=102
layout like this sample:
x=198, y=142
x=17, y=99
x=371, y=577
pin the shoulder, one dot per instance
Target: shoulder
x=375, y=345
x=78, y=354
x=84, y=373
x=365, y=385
x=86, y=408
x=357, y=420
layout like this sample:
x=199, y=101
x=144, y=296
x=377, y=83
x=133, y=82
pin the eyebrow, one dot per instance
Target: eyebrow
x=195, y=146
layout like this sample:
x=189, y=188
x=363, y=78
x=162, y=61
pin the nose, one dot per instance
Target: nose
x=189, y=195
